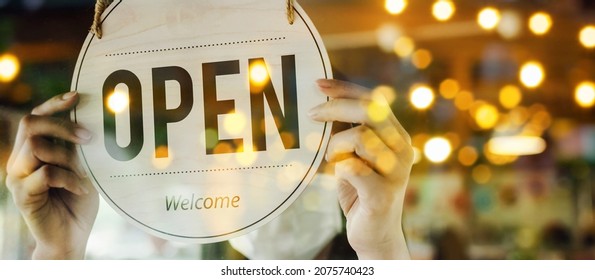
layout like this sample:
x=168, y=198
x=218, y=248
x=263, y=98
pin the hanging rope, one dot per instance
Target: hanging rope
x=290, y=12
x=100, y=7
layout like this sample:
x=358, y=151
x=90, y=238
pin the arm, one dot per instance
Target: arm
x=372, y=162
x=48, y=184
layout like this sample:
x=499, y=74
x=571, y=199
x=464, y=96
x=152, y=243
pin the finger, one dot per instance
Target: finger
x=50, y=176
x=366, y=182
x=377, y=116
x=363, y=142
x=341, y=89
x=56, y=154
x=56, y=104
x=378, y=109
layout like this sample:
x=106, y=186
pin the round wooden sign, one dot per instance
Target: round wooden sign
x=199, y=113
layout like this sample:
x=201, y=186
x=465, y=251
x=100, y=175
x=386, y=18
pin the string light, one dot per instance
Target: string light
x=404, y=46
x=421, y=59
x=449, y=88
x=421, y=97
x=510, y=96
x=395, y=7
x=468, y=155
x=532, y=74
x=443, y=10
x=9, y=68
x=584, y=94
x=486, y=115
x=587, y=36
x=118, y=101
x=509, y=26
x=437, y=149
x=540, y=23
x=488, y=18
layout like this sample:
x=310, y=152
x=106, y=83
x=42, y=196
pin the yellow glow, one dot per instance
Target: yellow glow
x=449, y=88
x=395, y=7
x=532, y=74
x=421, y=59
x=419, y=140
x=481, y=174
x=378, y=112
x=584, y=94
x=468, y=155
x=437, y=149
x=416, y=155
x=540, y=23
x=234, y=123
x=381, y=93
x=247, y=158
x=516, y=145
x=162, y=162
x=587, y=36
x=9, y=68
x=404, y=46
x=259, y=74
x=443, y=10
x=510, y=25
x=497, y=159
x=486, y=116
x=421, y=97
x=510, y=96
x=464, y=100
x=488, y=18
x=118, y=101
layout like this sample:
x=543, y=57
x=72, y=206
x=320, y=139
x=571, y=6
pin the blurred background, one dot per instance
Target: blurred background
x=497, y=95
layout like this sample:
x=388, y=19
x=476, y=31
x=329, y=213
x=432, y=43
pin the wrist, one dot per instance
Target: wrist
x=42, y=252
x=395, y=249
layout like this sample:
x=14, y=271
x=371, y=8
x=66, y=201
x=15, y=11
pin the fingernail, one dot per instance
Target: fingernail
x=68, y=95
x=324, y=83
x=83, y=134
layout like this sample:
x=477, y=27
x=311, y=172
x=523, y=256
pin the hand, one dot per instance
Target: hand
x=372, y=162
x=48, y=183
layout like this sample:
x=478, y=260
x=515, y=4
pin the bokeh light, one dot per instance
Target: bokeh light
x=481, y=174
x=395, y=7
x=587, y=36
x=540, y=23
x=9, y=68
x=510, y=96
x=235, y=123
x=516, y=145
x=118, y=101
x=468, y=155
x=259, y=74
x=443, y=10
x=437, y=149
x=464, y=100
x=404, y=46
x=532, y=74
x=488, y=18
x=486, y=116
x=510, y=25
x=421, y=59
x=584, y=94
x=421, y=97
x=449, y=88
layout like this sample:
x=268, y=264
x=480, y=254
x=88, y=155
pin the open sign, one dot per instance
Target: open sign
x=199, y=113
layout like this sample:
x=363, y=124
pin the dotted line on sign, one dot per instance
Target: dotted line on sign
x=197, y=46
x=197, y=171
